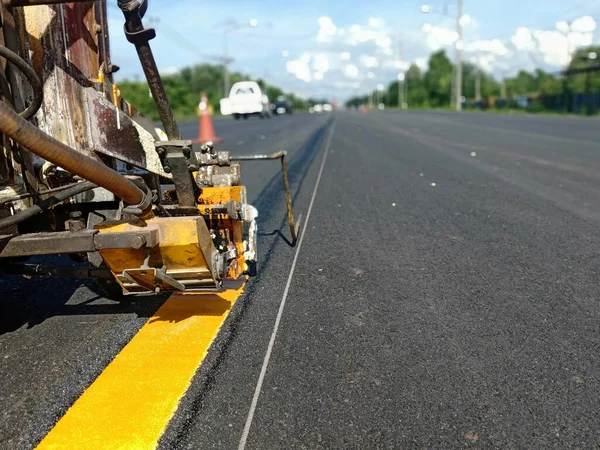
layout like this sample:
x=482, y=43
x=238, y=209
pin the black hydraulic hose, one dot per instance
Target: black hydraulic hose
x=47, y=204
x=36, y=84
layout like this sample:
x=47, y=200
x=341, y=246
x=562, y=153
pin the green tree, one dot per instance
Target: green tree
x=546, y=83
x=581, y=58
x=524, y=83
x=416, y=90
x=438, y=79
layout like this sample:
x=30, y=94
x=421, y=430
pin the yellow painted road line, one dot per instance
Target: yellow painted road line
x=134, y=398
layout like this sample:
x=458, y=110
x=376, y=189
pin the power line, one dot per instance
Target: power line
x=180, y=40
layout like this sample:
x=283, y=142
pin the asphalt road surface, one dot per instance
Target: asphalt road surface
x=444, y=294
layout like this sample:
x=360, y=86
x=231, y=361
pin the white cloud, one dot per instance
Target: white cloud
x=321, y=62
x=493, y=46
x=376, y=22
x=327, y=29
x=422, y=63
x=375, y=32
x=357, y=35
x=523, y=39
x=563, y=26
x=383, y=41
x=348, y=58
x=438, y=37
x=395, y=64
x=171, y=70
x=585, y=24
x=351, y=71
x=483, y=62
x=346, y=84
x=555, y=47
x=369, y=61
x=300, y=69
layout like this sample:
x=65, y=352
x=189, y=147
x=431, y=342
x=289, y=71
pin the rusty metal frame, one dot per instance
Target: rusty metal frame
x=180, y=161
x=84, y=241
x=152, y=279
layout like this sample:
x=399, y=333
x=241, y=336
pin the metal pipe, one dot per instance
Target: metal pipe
x=294, y=224
x=276, y=155
x=38, y=142
x=140, y=37
x=37, y=194
x=46, y=204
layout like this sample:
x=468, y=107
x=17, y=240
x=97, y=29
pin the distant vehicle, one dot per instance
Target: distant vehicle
x=266, y=107
x=318, y=108
x=327, y=107
x=245, y=100
x=311, y=110
x=283, y=106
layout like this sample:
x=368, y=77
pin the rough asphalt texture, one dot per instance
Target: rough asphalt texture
x=445, y=295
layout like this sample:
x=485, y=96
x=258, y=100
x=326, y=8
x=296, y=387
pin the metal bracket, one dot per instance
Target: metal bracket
x=179, y=160
x=134, y=8
x=126, y=239
x=294, y=225
x=136, y=37
x=152, y=279
x=84, y=241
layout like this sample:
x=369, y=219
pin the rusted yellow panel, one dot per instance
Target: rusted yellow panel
x=221, y=195
x=179, y=243
x=178, y=248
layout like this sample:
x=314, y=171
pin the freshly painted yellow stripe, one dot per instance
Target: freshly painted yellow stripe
x=131, y=402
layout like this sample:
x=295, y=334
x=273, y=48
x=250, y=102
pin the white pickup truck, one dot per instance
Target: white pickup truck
x=245, y=99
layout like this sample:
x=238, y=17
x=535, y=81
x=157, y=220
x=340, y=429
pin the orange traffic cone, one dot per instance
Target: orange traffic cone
x=206, y=131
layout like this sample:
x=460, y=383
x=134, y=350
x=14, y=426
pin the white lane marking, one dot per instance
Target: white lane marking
x=265, y=364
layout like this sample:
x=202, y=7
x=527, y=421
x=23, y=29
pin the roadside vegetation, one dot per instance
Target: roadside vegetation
x=184, y=89
x=534, y=92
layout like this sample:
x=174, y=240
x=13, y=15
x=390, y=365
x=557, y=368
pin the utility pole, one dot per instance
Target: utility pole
x=225, y=67
x=401, y=89
x=477, y=84
x=401, y=75
x=405, y=94
x=459, y=48
x=252, y=23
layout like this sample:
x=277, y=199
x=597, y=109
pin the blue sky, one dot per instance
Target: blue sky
x=341, y=48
